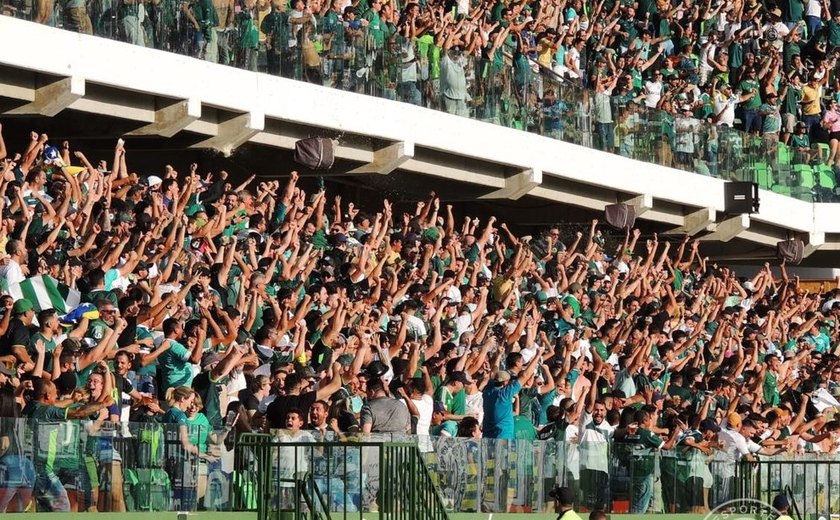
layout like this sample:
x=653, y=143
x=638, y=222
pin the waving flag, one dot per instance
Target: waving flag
x=45, y=292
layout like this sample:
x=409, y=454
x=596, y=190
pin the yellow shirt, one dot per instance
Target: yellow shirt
x=811, y=100
x=501, y=286
x=544, y=55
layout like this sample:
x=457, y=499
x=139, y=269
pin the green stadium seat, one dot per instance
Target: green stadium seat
x=804, y=177
x=825, y=175
x=763, y=176
x=781, y=190
x=824, y=150
x=784, y=153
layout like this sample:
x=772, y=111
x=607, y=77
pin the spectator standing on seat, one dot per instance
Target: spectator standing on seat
x=811, y=107
x=453, y=77
x=602, y=111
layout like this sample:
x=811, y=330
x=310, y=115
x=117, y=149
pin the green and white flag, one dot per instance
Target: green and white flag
x=45, y=292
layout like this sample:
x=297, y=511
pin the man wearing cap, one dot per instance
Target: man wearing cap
x=440, y=427
x=176, y=360
x=382, y=413
x=782, y=505
x=771, y=124
x=107, y=319
x=453, y=78
x=498, y=399
x=16, y=341
x=564, y=503
x=736, y=439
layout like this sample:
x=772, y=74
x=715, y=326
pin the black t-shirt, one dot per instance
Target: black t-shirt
x=129, y=334
x=321, y=357
x=347, y=422
x=248, y=400
x=277, y=410
x=210, y=392
x=17, y=335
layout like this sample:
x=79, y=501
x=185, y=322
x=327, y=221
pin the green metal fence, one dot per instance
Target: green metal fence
x=290, y=479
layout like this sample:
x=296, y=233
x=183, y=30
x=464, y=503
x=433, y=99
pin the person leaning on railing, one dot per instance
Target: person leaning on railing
x=183, y=451
x=44, y=407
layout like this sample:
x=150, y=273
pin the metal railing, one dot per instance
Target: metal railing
x=145, y=467
x=327, y=480
x=812, y=482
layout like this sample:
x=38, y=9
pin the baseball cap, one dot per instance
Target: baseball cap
x=375, y=369
x=563, y=494
x=6, y=370
x=439, y=408
x=345, y=360
x=154, y=180
x=208, y=358
x=51, y=154
x=780, y=502
x=733, y=420
x=460, y=377
x=21, y=306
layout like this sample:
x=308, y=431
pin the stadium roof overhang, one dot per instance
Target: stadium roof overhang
x=152, y=93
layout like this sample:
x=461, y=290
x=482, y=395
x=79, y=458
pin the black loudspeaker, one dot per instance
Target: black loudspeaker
x=740, y=198
x=316, y=153
x=791, y=251
x=621, y=216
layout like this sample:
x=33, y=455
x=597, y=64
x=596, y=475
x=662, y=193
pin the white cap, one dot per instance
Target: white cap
x=154, y=180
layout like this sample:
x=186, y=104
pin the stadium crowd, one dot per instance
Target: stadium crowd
x=691, y=70
x=261, y=306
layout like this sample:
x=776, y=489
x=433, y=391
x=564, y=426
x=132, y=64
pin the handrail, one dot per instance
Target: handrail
x=404, y=491
x=310, y=502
